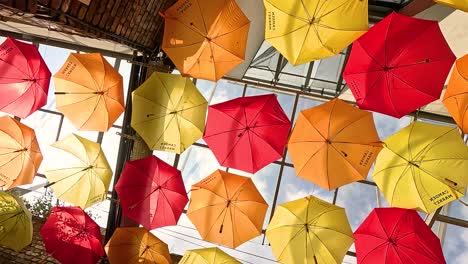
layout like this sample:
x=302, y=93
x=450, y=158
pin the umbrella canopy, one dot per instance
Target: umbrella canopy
x=24, y=78
x=227, y=209
x=20, y=155
x=151, y=192
x=205, y=39
x=401, y=64
x=207, y=256
x=247, y=133
x=168, y=112
x=303, y=31
x=83, y=174
x=135, y=245
x=334, y=144
x=71, y=236
x=89, y=92
x=456, y=95
x=422, y=167
x=309, y=230
x=395, y=235
x=16, y=229
x=458, y=4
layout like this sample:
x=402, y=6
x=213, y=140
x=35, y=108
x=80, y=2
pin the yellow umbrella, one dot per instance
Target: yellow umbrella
x=458, y=4
x=168, y=112
x=82, y=175
x=207, y=256
x=309, y=230
x=303, y=31
x=422, y=167
x=15, y=222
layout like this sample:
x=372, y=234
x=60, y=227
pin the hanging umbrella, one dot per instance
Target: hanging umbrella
x=168, y=112
x=71, y=236
x=334, y=144
x=207, y=256
x=135, y=245
x=422, y=167
x=458, y=4
x=456, y=95
x=151, y=192
x=16, y=228
x=227, y=209
x=304, y=31
x=24, y=78
x=309, y=230
x=401, y=64
x=82, y=174
x=247, y=133
x=395, y=235
x=89, y=92
x=205, y=39
x=20, y=155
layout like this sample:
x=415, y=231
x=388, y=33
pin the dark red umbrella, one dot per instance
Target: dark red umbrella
x=151, y=192
x=24, y=78
x=71, y=236
x=399, y=65
x=247, y=133
x=396, y=236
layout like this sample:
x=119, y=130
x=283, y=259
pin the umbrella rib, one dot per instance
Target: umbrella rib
x=228, y=51
x=165, y=129
x=167, y=93
x=14, y=66
x=92, y=77
x=390, y=95
x=216, y=204
x=268, y=143
x=224, y=132
x=307, y=11
x=282, y=36
x=420, y=252
x=320, y=39
x=372, y=250
x=228, y=116
x=428, y=146
x=232, y=149
x=398, y=77
x=333, y=10
x=258, y=113
x=292, y=238
x=94, y=110
x=341, y=130
x=215, y=37
x=292, y=15
x=202, y=17
x=18, y=98
x=150, y=101
x=310, y=158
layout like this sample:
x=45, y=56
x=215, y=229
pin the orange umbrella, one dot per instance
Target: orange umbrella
x=89, y=92
x=227, y=209
x=334, y=144
x=20, y=155
x=456, y=95
x=204, y=38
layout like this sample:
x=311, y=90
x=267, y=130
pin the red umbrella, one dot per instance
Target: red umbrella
x=399, y=65
x=71, y=236
x=24, y=78
x=396, y=236
x=151, y=192
x=247, y=133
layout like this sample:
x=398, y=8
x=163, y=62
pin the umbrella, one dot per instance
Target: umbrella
x=151, y=192
x=456, y=95
x=89, y=92
x=401, y=64
x=247, y=133
x=207, y=256
x=309, y=230
x=422, y=167
x=71, y=236
x=16, y=228
x=334, y=144
x=168, y=112
x=227, y=209
x=20, y=155
x=83, y=174
x=205, y=39
x=304, y=31
x=395, y=235
x=24, y=78
x=135, y=245
x=458, y=4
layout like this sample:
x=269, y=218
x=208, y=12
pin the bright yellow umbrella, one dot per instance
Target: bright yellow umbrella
x=168, y=112
x=458, y=4
x=207, y=256
x=303, y=31
x=81, y=174
x=15, y=222
x=309, y=230
x=422, y=167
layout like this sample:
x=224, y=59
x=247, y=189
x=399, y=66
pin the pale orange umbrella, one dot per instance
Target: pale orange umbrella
x=89, y=92
x=204, y=38
x=227, y=209
x=456, y=95
x=20, y=155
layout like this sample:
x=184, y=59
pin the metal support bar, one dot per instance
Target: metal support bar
x=452, y=220
x=339, y=84
x=309, y=74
